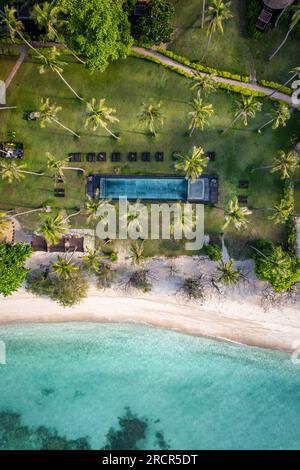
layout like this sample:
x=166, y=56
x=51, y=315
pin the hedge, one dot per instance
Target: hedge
x=9, y=52
x=225, y=86
x=276, y=86
x=159, y=62
x=203, y=68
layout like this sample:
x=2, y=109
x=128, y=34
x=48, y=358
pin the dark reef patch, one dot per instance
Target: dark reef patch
x=15, y=436
x=132, y=430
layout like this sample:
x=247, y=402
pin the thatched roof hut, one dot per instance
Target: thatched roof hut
x=278, y=4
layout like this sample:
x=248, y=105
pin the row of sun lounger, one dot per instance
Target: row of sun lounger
x=59, y=192
x=115, y=157
x=132, y=157
x=243, y=198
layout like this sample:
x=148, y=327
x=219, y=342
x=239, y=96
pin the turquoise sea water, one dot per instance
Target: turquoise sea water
x=125, y=386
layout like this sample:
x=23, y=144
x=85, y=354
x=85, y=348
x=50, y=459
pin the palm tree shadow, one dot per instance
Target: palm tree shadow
x=136, y=132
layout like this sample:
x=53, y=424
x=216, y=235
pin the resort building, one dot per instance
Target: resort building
x=65, y=244
x=271, y=11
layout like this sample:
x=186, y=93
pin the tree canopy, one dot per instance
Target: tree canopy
x=66, y=291
x=99, y=30
x=156, y=26
x=12, y=270
x=275, y=265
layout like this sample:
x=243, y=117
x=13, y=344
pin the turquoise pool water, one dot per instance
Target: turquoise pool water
x=181, y=392
x=167, y=189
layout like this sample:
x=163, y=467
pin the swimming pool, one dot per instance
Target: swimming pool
x=167, y=189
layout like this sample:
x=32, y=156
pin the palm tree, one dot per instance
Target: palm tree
x=63, y=267
x=93, y=205
x=137, y=253
x=59, y=166
x=227, y=275
x=219, y=12
x=282, y=115
x=100, y=115
x=51, y=60
x=236, y=215
x=284, y=209
x=192, y=164
x=15, y=26
x=47, y=18
x=286, y=164
x=294, y=21
x=203, y=82
x=11, y=171
x=199, y=114
x=151, y=116
x=92, y=261
x=53, y=228
x=47, y=114
x=247, y=108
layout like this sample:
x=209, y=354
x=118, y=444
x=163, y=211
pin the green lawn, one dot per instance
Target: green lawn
x=125, y=85
x=7, y=63
x=235, y=51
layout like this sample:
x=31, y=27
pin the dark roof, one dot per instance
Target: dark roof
x=278, y=4
x=69, y=243
x=38, y=243
x=58, y=247
x=74, y=243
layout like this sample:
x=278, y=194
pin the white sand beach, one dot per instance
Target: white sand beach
x=236, y=315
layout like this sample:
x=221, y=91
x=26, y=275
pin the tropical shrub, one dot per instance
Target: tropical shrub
x=156, y=26
x=67, y=292
x=202, y=68
x=276, y=266
x=140, y=280
x=213, y=251
x=105, y=276
x=12, y=269
x=194, y=288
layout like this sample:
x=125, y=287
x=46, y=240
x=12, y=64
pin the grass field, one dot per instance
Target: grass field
x=234, y=51
x=125, y=85
x=6, y=64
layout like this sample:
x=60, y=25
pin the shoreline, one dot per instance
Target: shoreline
x=236, y=315
x=189, y=319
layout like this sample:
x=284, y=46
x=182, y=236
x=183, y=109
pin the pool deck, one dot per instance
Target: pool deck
x=209, y=196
